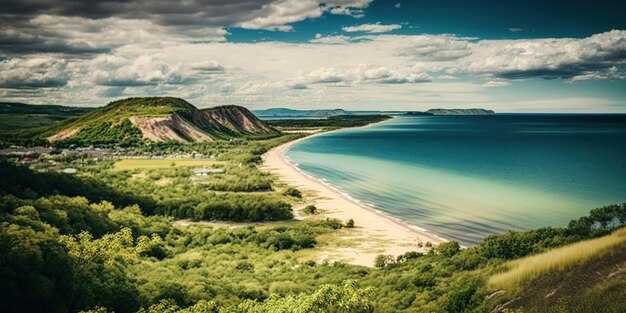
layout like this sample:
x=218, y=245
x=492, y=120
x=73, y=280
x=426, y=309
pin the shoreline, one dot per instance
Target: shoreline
x=377, y=232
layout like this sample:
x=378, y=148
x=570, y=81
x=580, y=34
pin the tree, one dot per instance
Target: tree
x=383, y=260
x=347, y=298
x=448, y=249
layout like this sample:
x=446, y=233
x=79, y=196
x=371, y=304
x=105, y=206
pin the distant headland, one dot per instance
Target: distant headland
x=453, y=112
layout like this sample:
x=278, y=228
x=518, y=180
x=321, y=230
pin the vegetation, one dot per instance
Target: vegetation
x=76, y=252
x=20, y=116
x=131, y=164
x=108, y=239
x=111, y=124
x=333, y=122
x=310, y=209
x=559, y=259
x=293, y=192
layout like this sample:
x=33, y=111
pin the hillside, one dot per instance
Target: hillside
x=581, y=277
x=157, y=119
x=20, y=115
x=284, y=112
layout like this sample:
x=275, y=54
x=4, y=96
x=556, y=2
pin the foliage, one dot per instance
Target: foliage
x=104, y=241
x=310, y=209
x=332, y=122
x=383, y=260
x=328, y=298
x=557, y=260
x=350, y=223
x=293, y=192
x=448, y=249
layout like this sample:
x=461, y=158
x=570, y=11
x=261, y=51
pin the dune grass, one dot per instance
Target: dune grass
x=558, y=259
x=129, y=164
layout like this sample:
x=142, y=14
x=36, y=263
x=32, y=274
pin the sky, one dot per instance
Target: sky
x=509, y=56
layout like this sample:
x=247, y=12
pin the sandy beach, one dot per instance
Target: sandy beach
x=374, y=234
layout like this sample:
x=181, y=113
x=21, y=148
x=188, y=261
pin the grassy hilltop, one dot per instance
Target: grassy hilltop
x=129, y=121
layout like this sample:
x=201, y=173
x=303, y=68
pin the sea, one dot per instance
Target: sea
x=465, y=177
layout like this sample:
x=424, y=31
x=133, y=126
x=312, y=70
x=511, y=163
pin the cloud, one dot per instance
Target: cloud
x=79, y=27
x=331, y=40
x=371, y=68
x=497, y=83
x=83, y=36
x=119, y=71
x=209, y=67
x=434, y=47
x=277, y=16
x=563, y=58
x=362, y=74
x=372, y=28
x=33, y=73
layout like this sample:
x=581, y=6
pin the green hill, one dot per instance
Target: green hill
x=156, y=119
x=587, y=276
x=14, y=116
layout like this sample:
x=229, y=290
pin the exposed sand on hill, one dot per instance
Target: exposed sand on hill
x=374, y=234
x=63, y=134
x=168, y=128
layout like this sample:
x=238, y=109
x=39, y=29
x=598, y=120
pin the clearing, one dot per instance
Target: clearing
x=129, y=164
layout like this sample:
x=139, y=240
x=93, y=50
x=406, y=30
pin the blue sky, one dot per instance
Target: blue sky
x=510, y=56
x=480, y=19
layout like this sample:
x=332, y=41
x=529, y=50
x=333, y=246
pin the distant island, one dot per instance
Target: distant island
x=453, y=112
x=284, y=112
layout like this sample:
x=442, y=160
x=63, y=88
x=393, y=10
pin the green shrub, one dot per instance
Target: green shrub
x=293, y=192
x=310, y=209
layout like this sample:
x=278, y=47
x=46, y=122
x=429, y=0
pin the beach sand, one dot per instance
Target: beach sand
x=374, y=233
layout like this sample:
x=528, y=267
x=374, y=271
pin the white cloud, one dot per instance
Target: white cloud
x=279, y=14
x=563, y=58
x=373, y=70
x=497, y=83
x=331, y=40
x=397, y=5
x=434, y=47
x=40, y=72
x=372, y=28
x=362, y=74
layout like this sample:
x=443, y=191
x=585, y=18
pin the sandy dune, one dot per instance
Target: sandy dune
x=374, y=234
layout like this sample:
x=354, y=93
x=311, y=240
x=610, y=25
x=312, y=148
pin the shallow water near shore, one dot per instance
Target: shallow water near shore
x=464, y=177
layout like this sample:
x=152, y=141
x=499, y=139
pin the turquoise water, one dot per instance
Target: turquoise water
x=464, y=177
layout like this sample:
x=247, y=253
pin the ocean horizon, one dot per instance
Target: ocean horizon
x=465, y=177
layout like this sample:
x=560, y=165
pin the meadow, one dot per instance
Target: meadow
x=146, y=163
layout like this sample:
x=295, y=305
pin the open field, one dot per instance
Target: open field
x=129, y=164
x=557, y=260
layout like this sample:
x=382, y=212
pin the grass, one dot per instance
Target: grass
x=130, y=164
x=559, y=259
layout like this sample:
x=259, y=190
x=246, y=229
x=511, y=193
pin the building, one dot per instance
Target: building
x=70, y=170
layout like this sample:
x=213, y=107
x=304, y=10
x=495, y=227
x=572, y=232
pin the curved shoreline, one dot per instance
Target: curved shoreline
x=378, y=232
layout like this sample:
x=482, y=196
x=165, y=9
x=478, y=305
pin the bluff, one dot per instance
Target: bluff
x=158, y=119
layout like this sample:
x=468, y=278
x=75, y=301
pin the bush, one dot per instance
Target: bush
x=448, y=249
x=293, y=192
x=350, y=223
x=310, y=209
x=383, y=260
